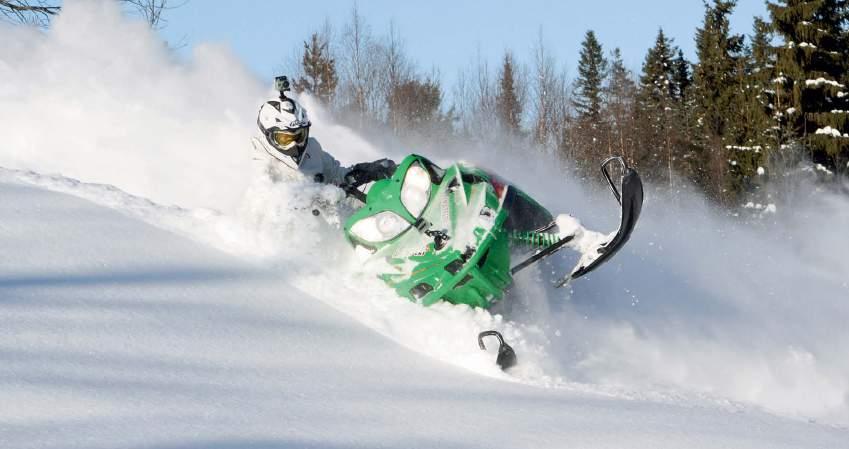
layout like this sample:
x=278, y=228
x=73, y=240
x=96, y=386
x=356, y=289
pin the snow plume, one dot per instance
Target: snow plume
x=99, y=98
x=695, y=306
x=703, y=304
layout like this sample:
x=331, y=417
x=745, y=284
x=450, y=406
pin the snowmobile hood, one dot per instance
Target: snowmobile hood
x=451, y=247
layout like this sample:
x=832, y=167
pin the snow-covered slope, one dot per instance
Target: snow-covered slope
x=120, y=334
x=232, y=318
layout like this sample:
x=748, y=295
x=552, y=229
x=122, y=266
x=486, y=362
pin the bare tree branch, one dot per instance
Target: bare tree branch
x=39, y=12
x=151, y=10
x=36, y=12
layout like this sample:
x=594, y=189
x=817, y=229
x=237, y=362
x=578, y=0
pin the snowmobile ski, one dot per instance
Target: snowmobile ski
x=506, y=356
x=630, y=199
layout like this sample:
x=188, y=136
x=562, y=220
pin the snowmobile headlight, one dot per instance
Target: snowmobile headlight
x=380, y=227
x=415, y=192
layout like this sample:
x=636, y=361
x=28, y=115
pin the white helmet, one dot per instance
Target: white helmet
x=285, y=125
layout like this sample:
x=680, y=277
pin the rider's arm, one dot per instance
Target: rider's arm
x=332, y=172
x=321, y=165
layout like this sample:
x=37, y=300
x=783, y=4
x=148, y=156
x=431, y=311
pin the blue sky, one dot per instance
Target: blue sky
x=448, y=34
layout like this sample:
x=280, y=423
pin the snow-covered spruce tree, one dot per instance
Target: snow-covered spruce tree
x=319, y=68
x=589, y=124
x=620, y=99
x=758, y=117
x=508, y=106
x=812, y=66
x=715, y=97
x=656, y=113
x=753, y=134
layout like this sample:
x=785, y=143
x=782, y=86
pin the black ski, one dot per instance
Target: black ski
x=630, y=198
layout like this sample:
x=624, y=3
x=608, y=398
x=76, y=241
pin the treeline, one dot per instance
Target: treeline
x=747, y=111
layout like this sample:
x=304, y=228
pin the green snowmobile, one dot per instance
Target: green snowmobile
x=447, y=234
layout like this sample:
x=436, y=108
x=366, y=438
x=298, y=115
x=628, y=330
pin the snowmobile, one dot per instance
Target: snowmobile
x=448, y=234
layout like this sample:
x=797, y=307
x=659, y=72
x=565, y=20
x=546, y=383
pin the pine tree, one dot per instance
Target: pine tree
x=718, y=52
x=684, y=119
x=319, y=70
x=655, y=111
x=813, y=64
x=508, y=107
x=754, y=113
x=589, y=126
x=592, y=69
x=682, y=77
x=715, y=95
x=620, y=104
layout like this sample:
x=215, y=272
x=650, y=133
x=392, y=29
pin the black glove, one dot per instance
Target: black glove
x=366, y=172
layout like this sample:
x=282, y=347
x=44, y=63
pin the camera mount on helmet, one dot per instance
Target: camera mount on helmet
x=281, y=84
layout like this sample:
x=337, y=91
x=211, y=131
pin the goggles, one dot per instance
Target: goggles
x=286, y=139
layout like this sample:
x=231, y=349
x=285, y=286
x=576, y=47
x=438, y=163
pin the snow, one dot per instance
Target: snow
x=823, y=168
x=761, y=171
x=820, y=81
x=807, y=45
x=585, y=241
x=755, y=148
x=157, y=292
x=111, y=322
x=829, y=131
x=766, y=209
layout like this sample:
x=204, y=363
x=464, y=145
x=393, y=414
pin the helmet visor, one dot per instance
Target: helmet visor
x=288, y=138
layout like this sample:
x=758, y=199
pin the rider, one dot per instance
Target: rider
x=284, y=135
